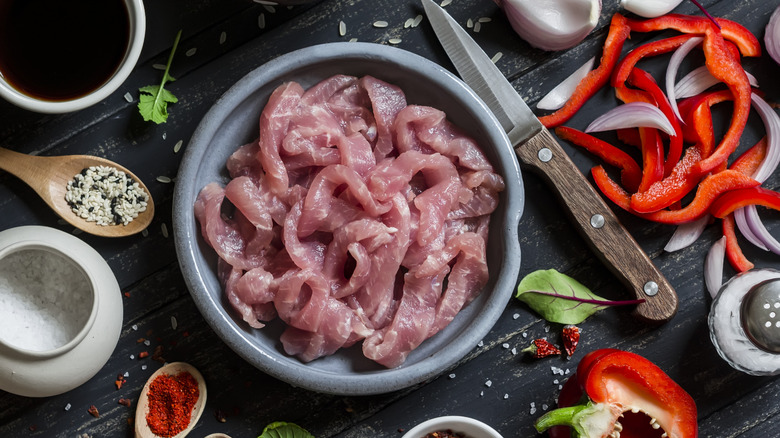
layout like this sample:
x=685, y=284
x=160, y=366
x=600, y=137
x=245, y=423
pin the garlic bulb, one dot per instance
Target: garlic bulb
x=649, y=8
x=552, y=24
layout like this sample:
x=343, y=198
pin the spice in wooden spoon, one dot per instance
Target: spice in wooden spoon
x=171, y=402
x=50, y=176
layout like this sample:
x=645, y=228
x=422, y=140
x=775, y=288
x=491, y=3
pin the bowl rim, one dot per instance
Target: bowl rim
x=453, y=422
x=137, y=21
x=187, y=234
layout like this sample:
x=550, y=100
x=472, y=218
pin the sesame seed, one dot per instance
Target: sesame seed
x=342, y=28
x=380, y=24
x=105, y=195
x=191, y=51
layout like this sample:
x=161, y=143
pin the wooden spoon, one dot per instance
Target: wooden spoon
x=49, y=177
x=142, y=427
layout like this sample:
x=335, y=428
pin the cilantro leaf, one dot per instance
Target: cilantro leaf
x=560, y=298
x=280, y=429
x=154, y=99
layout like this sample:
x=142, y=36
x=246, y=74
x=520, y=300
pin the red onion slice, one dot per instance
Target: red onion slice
x=740, y=219
x=713, y=266
x=563, y=91
x=699, y=80
x=674, y=65
x=632, y=115
x=772, y=36
x=685, y=234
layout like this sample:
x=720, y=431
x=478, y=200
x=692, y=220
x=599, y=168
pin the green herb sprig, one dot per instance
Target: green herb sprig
x=154, y=99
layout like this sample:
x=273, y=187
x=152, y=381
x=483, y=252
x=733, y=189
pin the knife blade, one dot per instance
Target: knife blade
x=538, y=149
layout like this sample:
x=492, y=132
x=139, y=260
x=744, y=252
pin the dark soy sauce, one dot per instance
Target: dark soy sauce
x=61, y=49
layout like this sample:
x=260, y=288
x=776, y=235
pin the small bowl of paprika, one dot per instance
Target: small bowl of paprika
x=452, y=426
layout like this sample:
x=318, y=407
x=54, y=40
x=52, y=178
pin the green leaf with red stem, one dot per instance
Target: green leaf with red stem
x=561, y=299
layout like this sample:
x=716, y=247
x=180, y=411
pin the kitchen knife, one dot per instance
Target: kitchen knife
x=537, y=148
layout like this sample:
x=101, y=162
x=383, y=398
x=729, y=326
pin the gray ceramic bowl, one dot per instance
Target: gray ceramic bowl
x=233, y=121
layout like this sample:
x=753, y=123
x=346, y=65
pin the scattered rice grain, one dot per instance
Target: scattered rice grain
x=191, y=51
x=129, y=97
x=222, y=37
x=477, y=27
x=164, y=135
x=174, y=322
x=164, y=229
x=353, y=40
x=164, y=179
x=145, y=232
x=177, y=146
x=158, y=66
x=266, y=2
x=495, y=59
x=380, y=24
x=470, y=23
x=485, y=19
x=342, y=28
x=261, y=21
x=417, y=20
x=270, y=8
x=445, y=3
x=394, y=41
x=408, y=23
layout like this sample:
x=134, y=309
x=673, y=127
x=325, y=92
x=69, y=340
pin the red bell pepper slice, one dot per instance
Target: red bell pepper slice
x=630, y=173
x=735, y=199
x=617, y=382
x=747, y=43
x=672, y=188
x=653, y=48
x=597, y=78
x=734, y=253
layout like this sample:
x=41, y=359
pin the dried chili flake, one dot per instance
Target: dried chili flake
x=540, y=348
x=143, y=354
x=157, y=354
x=93, y=411
x=125, y=402
x=571, y=337
x=171, y=400
x=140, y=340
x=120, y=380
x=444, y=434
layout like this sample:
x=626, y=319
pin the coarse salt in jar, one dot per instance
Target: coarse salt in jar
x=60, y=311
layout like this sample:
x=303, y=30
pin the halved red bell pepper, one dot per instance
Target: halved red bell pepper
x=616, y=383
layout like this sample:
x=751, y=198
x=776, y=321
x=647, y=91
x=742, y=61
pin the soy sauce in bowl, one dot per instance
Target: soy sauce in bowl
x=60, y=50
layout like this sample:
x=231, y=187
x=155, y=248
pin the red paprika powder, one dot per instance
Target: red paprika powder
x=171, y=399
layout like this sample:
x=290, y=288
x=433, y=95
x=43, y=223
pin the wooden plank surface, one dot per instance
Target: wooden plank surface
x=730, y=403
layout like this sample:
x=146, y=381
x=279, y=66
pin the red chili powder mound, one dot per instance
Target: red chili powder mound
x=171, y=399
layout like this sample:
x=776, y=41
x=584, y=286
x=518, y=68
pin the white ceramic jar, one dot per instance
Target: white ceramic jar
x=60, y=322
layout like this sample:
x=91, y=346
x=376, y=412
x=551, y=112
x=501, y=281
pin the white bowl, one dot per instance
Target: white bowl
x=31, y=371
x=137, y=24
x=469, y=427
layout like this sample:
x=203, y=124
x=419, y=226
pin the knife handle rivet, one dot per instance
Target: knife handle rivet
x=597, y=221
x=650, y=288
x=544, y=155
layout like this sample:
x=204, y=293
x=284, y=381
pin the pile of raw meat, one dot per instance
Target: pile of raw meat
x=354, y=217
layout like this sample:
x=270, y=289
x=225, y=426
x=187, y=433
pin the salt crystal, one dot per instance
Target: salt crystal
x=545, y=407
x=45, y=300
x=560, y=387
x=506, y=396
x=525, y=335
x=126, y=374
x=164, y=135
x=452, y=376
x=145, y=232
x=132, y=356
x=134, y=327
x=514, y=351
x=147, y=342
x=567, y=371
x=489, y=383
x=505, y=345
x=555, y=381
x=67, y=407
x=515, y=316
x=481, y=393
x=143, y=367
x=547, y=329
x=480, y=344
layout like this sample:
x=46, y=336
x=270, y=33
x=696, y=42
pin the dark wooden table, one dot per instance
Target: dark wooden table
x=229, y=38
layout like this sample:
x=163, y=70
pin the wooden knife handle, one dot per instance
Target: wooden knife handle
x=611, y=242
